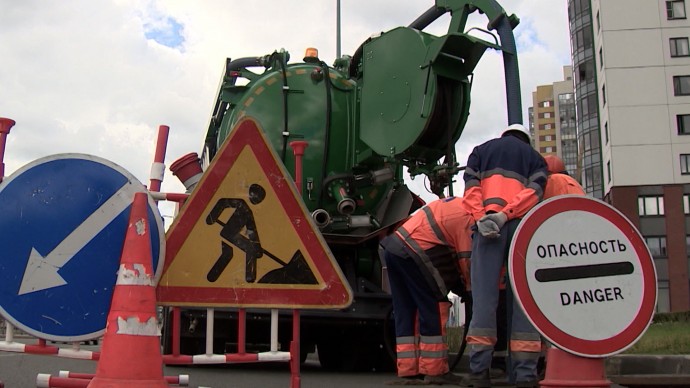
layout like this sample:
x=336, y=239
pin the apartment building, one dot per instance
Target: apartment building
x=631, y=73
x=552, y=121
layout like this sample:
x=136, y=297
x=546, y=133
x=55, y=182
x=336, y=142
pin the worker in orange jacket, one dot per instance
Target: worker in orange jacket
x=559, y=182
x=422, y=258
x=504, y=178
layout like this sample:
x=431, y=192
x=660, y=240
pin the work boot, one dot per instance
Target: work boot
x=444, y=379
x=408, y=380
x=477, y=380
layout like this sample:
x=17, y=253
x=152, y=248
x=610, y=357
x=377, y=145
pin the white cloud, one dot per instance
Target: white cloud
x=81, y=76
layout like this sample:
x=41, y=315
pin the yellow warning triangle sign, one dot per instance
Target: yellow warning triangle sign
x=244, y=238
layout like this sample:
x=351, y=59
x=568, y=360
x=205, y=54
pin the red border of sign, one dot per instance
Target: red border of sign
x=582, y=347
x=336, y=293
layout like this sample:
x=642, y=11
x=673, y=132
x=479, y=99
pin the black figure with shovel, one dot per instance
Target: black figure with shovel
x=297, y=271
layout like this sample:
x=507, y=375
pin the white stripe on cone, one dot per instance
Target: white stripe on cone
x=134, y=277
x=133, y=326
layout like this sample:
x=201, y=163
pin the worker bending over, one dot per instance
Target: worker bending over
x=422, y=260
x=504, y=179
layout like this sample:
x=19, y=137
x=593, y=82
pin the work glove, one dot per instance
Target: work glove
x=492, y=224
x=488, y=228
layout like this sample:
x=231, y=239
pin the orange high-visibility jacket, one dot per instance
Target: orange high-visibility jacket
x=504, y=174
x=436, y=237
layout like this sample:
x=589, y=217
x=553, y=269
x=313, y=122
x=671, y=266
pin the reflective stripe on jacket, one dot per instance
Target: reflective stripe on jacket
x=560, y=184
x=438, y=235
x=504, y=174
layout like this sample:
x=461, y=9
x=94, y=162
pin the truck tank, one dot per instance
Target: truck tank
x=401, y=100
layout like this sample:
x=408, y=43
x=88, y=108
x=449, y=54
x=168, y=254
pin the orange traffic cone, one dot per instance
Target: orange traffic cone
x=131, y=355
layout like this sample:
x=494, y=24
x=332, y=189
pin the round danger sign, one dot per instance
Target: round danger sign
x=583, y=275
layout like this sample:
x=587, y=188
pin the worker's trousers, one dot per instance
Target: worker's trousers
x=488, y=256
x=420, y=320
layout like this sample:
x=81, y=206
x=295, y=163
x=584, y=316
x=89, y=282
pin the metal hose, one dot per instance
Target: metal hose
x=427, y=18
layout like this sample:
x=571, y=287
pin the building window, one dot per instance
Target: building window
x=598, y=22
x=549, y=149
x=651, y=205
x=679, y=47
x=608, y=170
x=686, y=210
x=601, y=58
x=606, y=132
x=603, y=94
x=583, y=38
x=663, y=304
x=683, y=122
x=657, y=246
x=565, y=97
x=685, y=164
x=681, y=85
x=548, y=138
x=586, y=70
x=547, y=126
x=546, y=104
x=675, y=9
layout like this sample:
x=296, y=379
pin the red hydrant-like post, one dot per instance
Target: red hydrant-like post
x=5, y=126
x=158, y=166
x=188, y=170
x=298, y=147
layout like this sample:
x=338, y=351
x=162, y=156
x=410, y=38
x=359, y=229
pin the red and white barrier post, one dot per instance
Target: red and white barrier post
x=298, y=147
x=158, y=166
x=5, y=126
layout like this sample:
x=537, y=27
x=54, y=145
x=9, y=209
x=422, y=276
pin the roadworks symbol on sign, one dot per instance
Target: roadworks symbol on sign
x=245, y=239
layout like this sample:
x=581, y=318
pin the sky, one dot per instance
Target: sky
x=99, y=77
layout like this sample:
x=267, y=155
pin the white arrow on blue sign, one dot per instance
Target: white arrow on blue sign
x=63, y=220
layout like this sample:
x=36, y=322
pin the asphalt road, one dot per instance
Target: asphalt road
x=19, y=370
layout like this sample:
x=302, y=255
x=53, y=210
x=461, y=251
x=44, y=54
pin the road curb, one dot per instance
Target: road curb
x=649, y=370
x=628, y=364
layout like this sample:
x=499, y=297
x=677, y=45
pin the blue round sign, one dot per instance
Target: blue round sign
x=63, y=220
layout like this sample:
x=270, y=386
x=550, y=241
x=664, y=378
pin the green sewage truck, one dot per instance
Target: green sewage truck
x=400, y=101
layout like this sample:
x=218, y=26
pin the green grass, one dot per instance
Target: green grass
x=668, y=334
